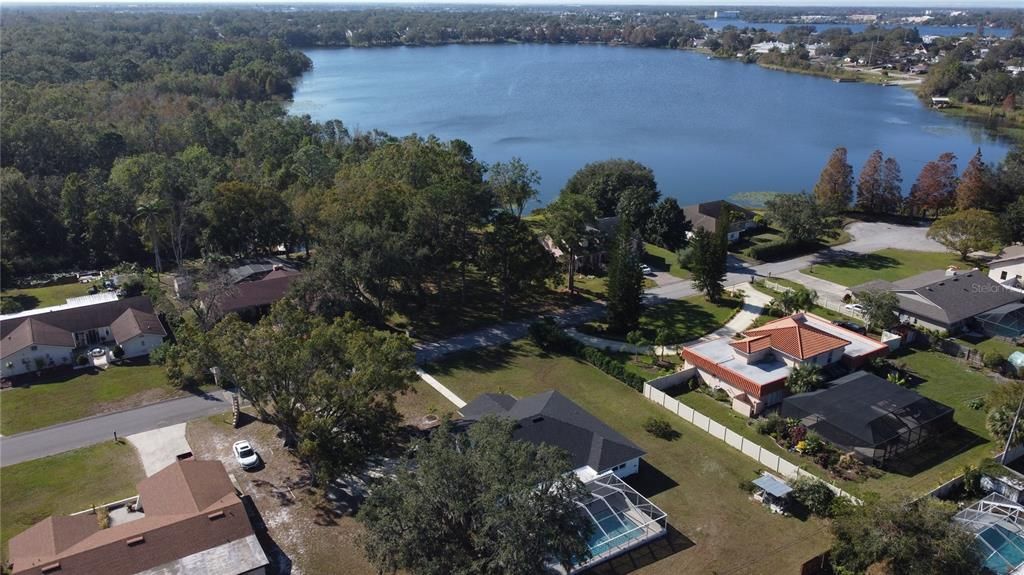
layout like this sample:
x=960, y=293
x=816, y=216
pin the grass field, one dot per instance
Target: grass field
x=32, y=298
x=663, y=260
x=596, y=286
x=66, y=483
x=82, y=395
x=888, y=264
x=694, y=478
x=684, y=319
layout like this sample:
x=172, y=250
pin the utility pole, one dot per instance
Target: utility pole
x=1013, y=428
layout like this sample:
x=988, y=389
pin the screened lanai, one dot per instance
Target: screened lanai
x=1006, y=320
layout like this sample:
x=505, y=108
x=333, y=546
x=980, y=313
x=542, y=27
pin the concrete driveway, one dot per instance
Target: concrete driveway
x=161, y=447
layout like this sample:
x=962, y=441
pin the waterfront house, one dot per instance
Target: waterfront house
x=705, y=216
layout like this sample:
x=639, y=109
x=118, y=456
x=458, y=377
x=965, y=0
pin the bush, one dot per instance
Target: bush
x=770, y=424
x=118, y=352
x=993, y=360
x=660, y=427
x=720, y=395
x=549, y=337
x=777, y=250
x=814, y=495
x=9, y=305
x=158, y=355
x=976, y=403
x=81, y=360
x=102, y=517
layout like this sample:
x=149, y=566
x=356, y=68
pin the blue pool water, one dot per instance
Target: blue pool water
x=613, y=526
x=1009, y=549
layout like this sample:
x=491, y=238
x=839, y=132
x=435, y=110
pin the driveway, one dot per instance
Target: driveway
x=160, y=447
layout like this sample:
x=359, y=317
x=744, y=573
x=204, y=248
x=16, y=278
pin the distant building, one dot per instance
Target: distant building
x=727, y=14
x=765, y=47
x=1008, y=268
x=188, y=519
x=705, y=217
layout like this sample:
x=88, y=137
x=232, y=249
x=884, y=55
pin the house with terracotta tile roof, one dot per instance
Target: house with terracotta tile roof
x=188, y=518
x=33, y=342
x=753, y=368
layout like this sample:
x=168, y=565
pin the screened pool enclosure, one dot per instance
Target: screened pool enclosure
x=998, y=527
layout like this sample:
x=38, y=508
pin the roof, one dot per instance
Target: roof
x=552, y=418
x=754, y=344
x=946, y=299
x=705, y=216
x=773, y=485
x=257, y=269
x=258, y=293
x=862, y=409
x=1009, y=255
x=83, y=318
x=134, y=323
x=795, y=337
x=32, y=331
x=189, y=507
x=78, y=301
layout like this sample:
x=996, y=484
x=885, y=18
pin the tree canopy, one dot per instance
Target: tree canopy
x=966, y=231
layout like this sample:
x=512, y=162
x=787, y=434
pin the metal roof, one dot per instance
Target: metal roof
x=773, y=485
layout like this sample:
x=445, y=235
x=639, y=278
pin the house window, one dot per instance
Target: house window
x=33, y=348
x=1002, y=276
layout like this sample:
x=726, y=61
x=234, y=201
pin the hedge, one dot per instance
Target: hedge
x=549, y=337
x=778, y=250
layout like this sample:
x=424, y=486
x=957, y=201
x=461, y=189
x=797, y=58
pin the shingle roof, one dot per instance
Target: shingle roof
x=794, y=337
x=189, y=507
x=133, y=323
x=1009, y=255
x=32, y=331
x=705, y=216
x=84, y=318
x=946, y=299
x=262, y=292
x=552, y=418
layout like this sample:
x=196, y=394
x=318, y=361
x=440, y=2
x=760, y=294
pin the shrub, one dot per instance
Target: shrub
x=9, y=305
x=976, y=403
x=772, y=424
x=694, y=383
x=777, y=250
x=118, y=352
x=993, y=360
x=81, y=360
x=660, y=427
x=747, y=486
x=102, y=517
x=158, y=355
x=814, y=495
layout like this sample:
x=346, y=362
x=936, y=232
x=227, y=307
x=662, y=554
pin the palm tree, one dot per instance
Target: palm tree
x=148, y=212
x=804, y=378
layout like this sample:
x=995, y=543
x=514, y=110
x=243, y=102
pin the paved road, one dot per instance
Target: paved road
x=93, y=430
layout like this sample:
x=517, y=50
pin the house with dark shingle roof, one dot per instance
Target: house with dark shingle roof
x=188, y=519
x=753, y=368
x=945, y=299
x=706, y=216
x=551, y=418
x=49, y=339
x=253, y=298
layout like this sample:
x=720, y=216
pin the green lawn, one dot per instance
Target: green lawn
x=684, y=319
x=31, y=298
x=85, y=394
x=992, y=344
x=694, y=478
x=661, y=260
x=66, y=483
x=596, y=286
x=888, y=264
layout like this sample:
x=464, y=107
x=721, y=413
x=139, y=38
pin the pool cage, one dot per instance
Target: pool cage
x=998, y=527
x=1006, y=321
x=622, y=518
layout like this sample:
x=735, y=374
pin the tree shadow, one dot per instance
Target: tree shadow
x=480, y=360
x=280, y=563
x=26, y=301
x=851, y=260
x=671, y=543
x=650, y=481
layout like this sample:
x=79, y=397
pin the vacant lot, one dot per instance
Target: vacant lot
x=694, y=478
x=890, y=265
x=45, y=296
x=317, y=533
x=81, y=394
x=66, y=483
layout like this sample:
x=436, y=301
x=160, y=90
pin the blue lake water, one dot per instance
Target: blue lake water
x=922, y=29
x=708, y=128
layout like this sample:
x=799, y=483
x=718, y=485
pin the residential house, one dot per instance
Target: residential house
x=1008, y=268
x=188, y=519
x=622, y=518
x=753, y=369
x=705, y=217
x=765, y=47
x=870, y=417
x=949, y=300
x=252, y=298
x=38, y=341
x=594, y=251
x=552, y=418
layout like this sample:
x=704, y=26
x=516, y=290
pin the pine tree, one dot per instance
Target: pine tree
x=708, y=265
x=973, y=191
x=892, y=187
x=936, y=185
x=625, y=283
x=869, y=184
x=834, y=190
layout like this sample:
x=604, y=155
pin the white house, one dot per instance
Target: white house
x=30, y=343
x=1008, y=268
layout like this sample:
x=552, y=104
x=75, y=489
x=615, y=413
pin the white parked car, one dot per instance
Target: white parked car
x=855, y=307
x=245, y=454
x=646, y=270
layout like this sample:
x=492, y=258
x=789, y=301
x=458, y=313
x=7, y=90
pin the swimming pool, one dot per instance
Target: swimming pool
x=1002, y=548
x=614, y=526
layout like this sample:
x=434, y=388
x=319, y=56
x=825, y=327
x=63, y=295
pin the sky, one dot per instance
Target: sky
x=968, y=4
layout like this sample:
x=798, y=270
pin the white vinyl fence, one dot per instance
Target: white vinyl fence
x=827, y=301
x=736, y=441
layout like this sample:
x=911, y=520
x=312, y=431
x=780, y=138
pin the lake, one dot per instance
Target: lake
x=708, y=128
x=922, y=29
